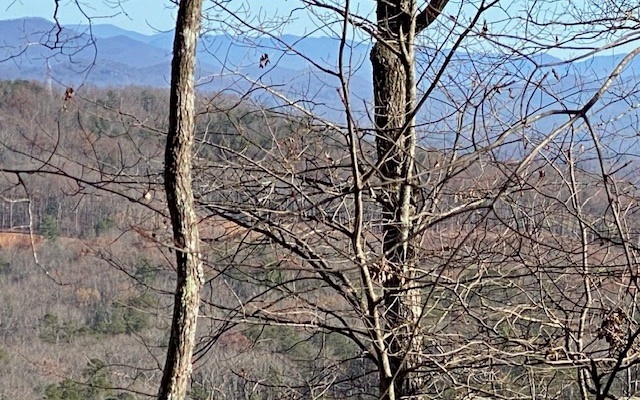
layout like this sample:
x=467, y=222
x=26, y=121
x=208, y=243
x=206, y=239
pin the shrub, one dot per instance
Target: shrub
x=4, y=356
x=65, y=390
x=5, y=267
x=96, y=386
x=146, y=272
x=119, y=318
x=54, y=331
x=49, y=227
x=104, y=226
x=198, y=392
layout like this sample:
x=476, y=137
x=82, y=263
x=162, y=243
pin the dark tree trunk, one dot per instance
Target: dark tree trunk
x=392, y=59
x=177, y=176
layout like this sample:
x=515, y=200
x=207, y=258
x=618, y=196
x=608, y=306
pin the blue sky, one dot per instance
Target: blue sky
x=151, y=16
x=144, y=16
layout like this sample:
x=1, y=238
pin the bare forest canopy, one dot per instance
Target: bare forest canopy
x=115, y=136
x=102, y=236
x=95, y=196
x=457, y=219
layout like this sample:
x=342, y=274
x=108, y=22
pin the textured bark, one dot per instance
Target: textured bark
x=392, y=59
x=177, y=176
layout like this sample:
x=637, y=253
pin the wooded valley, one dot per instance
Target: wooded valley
x=469, y=232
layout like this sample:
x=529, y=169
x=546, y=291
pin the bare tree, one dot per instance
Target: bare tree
x=394, y=90
x=177, y=180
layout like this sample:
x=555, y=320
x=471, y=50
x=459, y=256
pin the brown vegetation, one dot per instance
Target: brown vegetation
x=22, y=241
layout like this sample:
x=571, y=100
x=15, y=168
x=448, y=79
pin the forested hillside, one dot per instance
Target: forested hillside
x=87, y=296
x=89, y=301
x=462, y=224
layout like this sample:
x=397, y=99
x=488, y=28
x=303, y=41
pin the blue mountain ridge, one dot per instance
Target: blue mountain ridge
x=106, y=55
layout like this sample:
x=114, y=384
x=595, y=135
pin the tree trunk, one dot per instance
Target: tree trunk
x=392, y=59
x=177, y=176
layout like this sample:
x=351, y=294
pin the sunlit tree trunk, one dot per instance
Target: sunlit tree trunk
x=177, y=175
x=394, y=85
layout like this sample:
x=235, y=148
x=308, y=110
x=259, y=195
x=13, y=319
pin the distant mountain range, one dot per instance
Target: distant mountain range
x=106, y=55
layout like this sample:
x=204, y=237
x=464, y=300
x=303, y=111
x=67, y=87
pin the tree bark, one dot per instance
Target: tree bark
x=394, y=84
x=177, y=180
